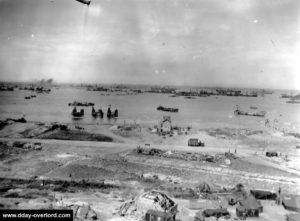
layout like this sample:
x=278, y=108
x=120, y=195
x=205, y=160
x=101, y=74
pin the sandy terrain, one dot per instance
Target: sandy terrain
x=125, y=174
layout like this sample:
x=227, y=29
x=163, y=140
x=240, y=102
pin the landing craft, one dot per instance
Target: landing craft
x=85, y=2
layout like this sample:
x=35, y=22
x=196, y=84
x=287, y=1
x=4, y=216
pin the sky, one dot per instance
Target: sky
x=228, y=43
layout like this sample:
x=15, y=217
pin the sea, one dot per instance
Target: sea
x=201, y=112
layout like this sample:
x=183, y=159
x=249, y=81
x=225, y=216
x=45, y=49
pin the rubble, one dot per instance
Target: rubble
x=153, y=199
x=20, y=120
x=185, y=193
x=56, y=126
x=8, y=149
x=187, y=156
x=28, y=146
x=80, y=211
x=216, y=212
x=204, y=188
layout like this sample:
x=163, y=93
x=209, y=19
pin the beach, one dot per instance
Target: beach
x=85, y=152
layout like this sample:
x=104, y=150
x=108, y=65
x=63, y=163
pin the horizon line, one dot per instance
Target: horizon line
x=143, y=84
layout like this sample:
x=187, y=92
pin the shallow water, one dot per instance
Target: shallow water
x=202, y=112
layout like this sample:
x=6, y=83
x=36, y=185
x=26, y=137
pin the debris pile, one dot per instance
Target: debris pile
x=37, y=183
x=56, y=126
x=9, y=121
x=19, y=120
x=12, y=148
x=185, y=193
x=204, y=188
x=64, y=132
x=153, y=199
x=187, y=156
x=27, y=146
x=216, y=213
x=83, y=212
x=229, y=133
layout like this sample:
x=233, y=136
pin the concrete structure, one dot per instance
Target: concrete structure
x=165, y=126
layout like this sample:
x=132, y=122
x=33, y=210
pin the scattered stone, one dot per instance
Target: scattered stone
x=20, y=120
x=37, y=147
x=92, y=214
x=18, y=144
x=28, y=146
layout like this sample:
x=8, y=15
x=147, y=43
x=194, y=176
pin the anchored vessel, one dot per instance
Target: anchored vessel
x=256, y=114
x=76, y=113
x=98, y=113
x=111, y=114
x=293, y=101
x=84, y=104
x=168, y=109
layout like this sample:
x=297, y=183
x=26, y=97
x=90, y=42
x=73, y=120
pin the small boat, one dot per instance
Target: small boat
x=293, y=102
x=251, y=95
x=286, y=96
x=116, y=113
x=82, y=104
x=98, y=113
x=189, y=97
x=76, y=113
x=257, y=114
x=253, y=107
x=168, y=109
x=41, y=90
x=111, y=114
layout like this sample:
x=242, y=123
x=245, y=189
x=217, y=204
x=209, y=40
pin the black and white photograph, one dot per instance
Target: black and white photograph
x=150, y=110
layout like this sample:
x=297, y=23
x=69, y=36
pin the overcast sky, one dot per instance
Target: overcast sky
x=245, y=43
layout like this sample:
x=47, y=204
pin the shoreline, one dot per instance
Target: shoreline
x=117, y=163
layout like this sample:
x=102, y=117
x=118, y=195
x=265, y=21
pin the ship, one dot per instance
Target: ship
x=111, y=114
x=76, y=113
x=168, y=109
x=286, y=96
x=83, y=104
x=255, y=114
x=293, y=102
x=98, y=113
